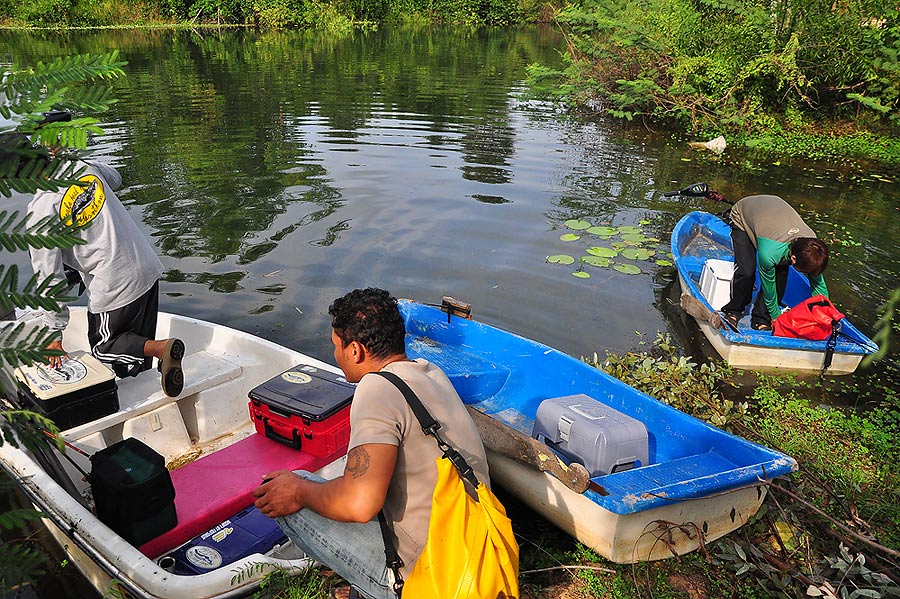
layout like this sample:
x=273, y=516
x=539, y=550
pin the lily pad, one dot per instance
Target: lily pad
x=663, y=263
x=602, y=252
x=619, y=245
x=627, y=269
x=602, y=231
x=560, y=259
x=596, y=261
x=569, y=237
x=634, y=237
x=581, y=274
x=637, y=253
x=578, y=225
x=629, y=229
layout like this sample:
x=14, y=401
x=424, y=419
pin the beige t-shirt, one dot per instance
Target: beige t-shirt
x=379, y=414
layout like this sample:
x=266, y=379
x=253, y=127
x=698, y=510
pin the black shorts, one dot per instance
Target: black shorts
x=117, y=337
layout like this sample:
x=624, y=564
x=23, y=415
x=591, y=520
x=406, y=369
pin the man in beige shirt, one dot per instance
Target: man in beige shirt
x=390, y=463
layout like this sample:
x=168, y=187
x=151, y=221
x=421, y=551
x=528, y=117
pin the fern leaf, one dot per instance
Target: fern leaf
x=18, y=518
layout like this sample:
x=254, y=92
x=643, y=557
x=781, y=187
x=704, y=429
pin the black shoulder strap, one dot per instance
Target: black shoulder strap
x=430, y=426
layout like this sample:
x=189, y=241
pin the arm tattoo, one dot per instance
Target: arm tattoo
x=357, y=462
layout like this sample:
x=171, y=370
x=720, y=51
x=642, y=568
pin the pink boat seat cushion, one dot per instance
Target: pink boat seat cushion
x=219, y=485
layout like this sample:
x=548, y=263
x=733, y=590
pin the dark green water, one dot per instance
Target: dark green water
x=276, y=171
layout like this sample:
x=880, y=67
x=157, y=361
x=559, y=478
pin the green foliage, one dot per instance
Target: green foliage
x=886, y=313
x=677, y=381
x=734, y=66
x=20, y=564
x=857, y=454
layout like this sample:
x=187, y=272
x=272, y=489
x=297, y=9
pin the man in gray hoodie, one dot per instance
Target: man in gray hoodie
x=120, y=271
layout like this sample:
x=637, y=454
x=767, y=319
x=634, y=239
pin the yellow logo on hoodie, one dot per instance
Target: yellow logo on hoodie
x=83, y=204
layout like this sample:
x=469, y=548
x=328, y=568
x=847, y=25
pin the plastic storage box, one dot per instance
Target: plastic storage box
x=715, y=282
x=248, y=532
x=587, y=431
x=133, y=491
x=80, y=390
x=305, y=408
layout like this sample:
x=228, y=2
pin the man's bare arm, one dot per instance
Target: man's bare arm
x=356, y=496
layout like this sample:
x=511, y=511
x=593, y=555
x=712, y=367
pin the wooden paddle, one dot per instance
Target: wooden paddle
x=507, y=441
x=695, y=308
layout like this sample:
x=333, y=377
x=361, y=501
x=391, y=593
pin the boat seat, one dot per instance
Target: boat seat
x=474, y=378
x=219, y=485
x=141, y=394
x=669, y=480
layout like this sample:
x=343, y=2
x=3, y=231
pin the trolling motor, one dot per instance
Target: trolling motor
x=698, y=190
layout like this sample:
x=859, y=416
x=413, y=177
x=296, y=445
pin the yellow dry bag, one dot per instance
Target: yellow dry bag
x=471, y=552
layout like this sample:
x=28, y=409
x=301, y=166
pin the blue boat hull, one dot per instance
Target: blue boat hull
x=698, y=478
x=699, y=237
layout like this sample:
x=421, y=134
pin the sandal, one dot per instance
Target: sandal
x=761, y=326
x=171, y=375
x=731, y=320
x=352, y=593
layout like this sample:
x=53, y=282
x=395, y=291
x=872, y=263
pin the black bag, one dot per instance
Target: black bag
x=133, y=491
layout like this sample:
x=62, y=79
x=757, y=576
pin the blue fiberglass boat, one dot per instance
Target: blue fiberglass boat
x=703, y=240
x=698, y=483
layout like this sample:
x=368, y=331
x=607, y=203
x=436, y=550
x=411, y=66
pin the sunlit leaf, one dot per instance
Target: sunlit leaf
x=602, y=252
x=560, y=259
x=578, y=225
x=663, y=263
x=629, y=229
x=637, y=253
x=627, y=269
x=569, y=237
x=602, y=231
x=581, y=274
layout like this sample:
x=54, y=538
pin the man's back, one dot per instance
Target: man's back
x=380, y=414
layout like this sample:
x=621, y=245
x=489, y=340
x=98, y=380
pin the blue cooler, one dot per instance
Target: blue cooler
x=248, y=532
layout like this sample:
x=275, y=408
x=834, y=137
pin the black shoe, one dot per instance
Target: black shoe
x=761, y=326
x=171, y=375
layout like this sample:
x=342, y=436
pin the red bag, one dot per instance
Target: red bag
x=810, y=319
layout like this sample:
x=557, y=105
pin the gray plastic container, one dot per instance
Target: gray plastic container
x=587, y=431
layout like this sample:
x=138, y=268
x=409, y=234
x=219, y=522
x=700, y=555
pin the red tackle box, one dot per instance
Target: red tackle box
x=305, y=408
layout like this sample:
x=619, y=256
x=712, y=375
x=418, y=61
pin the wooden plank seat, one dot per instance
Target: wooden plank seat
x=219, y=485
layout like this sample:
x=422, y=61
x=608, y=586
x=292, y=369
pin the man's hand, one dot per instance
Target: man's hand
x=56, y=361
x=715, y=196
x=279, y=494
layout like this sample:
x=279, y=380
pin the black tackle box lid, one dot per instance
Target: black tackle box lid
x=306, y=391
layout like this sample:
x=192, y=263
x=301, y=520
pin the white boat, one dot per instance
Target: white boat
x=207, y=438
x=701, y=246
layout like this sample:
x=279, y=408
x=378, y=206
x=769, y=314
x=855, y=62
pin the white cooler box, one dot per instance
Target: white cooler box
x=715, y=282
x=587, y=431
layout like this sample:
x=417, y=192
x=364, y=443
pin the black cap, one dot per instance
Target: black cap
x=55, y=116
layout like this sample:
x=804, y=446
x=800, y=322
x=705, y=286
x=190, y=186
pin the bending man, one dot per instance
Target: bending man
x=769, y=235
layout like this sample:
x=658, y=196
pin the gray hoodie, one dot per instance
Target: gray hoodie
x=117, y=263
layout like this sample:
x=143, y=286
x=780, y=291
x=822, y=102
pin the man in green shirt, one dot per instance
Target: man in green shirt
x=769, y=235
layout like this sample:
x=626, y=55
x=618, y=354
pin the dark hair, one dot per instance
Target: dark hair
x=811, y=255
x=370, y=317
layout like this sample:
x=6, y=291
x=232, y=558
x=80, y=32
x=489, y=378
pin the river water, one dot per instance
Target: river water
x=276, y=171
